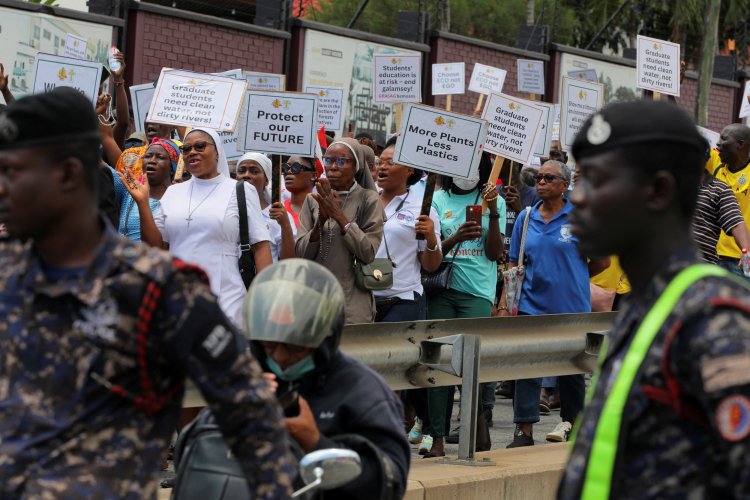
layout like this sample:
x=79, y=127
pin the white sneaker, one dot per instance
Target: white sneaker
x=426, y=445
x=560, y=433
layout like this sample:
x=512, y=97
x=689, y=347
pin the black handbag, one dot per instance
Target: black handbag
x=246, y=261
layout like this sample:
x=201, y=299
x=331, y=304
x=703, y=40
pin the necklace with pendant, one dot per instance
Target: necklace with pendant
x=190, y=201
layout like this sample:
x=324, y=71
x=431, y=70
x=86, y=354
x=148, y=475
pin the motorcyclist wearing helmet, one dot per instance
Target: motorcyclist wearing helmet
x=294, y=313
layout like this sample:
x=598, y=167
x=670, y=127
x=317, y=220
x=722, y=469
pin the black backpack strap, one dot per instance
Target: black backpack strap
x=242, y=209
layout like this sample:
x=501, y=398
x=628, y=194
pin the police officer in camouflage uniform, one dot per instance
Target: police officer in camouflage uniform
x=98, y=333
x=670, y=412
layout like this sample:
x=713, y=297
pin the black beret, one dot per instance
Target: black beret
x=625, y=124
x=61, y=115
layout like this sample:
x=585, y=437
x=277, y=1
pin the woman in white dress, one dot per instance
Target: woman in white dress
x=256, y=169
x=198, y=221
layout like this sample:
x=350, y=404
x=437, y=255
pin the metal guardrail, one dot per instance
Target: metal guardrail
x=511, y=348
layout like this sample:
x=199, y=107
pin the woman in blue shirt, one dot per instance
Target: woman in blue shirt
x=556, y=281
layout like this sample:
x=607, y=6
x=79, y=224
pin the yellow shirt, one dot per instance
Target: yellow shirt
x=739, y=182
x=613, y=277
x=713, y=162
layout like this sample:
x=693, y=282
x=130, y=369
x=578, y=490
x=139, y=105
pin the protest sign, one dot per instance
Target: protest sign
x=448, y=78
x=56, y=71
x=512, y=127
x=330, y=106
x=440, y=141
x=544, y=138
x=140, y=98
x=397, y=78
x=556, y=124
x=75, y=46
x=279, y=122
x=486, y=79
x=197, y=100
x=658, y=66
x=745, y=108
x=710, y=136
x=584, y=74
x=530, y=76
x=265, y=81
x=580, y=99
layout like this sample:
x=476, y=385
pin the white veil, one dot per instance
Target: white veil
x=222, y=165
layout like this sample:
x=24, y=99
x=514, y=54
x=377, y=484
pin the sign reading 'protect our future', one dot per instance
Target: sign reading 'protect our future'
x=440, y=141
x=279, y=122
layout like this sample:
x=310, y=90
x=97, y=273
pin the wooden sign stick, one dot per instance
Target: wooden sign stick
x=429, y=190
x=478, y=109
x=276, y=183
x=532, y=97
x=399, y=112
x=181, y=162
x=448, y=102
x=497, y=166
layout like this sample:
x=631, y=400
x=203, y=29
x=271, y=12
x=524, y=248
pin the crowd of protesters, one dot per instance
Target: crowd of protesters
x=173, y=189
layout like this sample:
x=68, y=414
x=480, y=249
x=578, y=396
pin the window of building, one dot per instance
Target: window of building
x=47, y=35
x=37, y=32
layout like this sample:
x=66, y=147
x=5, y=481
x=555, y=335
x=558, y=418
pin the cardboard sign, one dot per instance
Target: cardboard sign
x=75, y=46
x=397, y=78
x=448, y=78
x=55, y=71
x=530, y=76
x=580, y=99
x=197, y=100
x=440, y=141
x=556, y=124
x=512, y=127
x=711, y=136
x=280, y=122
x=330, y=106
x=658, y=66
x=745, y=107
x=486, y=79
x=140, y=98
x=584, y=74
x=544, y=139
x=265, y=81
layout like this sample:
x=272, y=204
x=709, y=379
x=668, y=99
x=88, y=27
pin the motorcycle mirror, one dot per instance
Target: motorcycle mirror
x=328, y=469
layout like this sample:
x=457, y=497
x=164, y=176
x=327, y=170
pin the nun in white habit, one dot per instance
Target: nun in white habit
x=198, y=221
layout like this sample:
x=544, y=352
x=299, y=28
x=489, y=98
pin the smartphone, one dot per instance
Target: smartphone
x=474, y=213
x=289, y=402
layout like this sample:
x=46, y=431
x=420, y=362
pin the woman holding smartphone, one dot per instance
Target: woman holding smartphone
x=473, y=247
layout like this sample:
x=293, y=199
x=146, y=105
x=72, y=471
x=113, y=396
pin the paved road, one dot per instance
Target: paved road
x=501, y=434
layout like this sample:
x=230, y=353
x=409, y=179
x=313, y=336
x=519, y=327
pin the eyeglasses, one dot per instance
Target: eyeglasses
x=546, y=177
x=295, y=168
x=199, y=147
x=379, y=162
x=340, y=162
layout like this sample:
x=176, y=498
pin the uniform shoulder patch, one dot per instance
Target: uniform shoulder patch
x=733, y=417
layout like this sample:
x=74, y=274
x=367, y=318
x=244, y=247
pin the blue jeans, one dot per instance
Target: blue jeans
x=571, y=391
x=407, y=310
x=732, y=266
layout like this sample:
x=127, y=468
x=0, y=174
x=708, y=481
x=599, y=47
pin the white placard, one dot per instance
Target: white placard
x=530, y=76
x=544, y=139
x=140, y=98
x=55, y=71
x=197, y=100
x=330, y=106
x=440, y=141
x=658, y=65
x=75, y=46
x=580, y=99
x=556, y=124
x=397, y=78
x=280, y=122
x=745, y=108
x=486, y=79
x=584, y=74
x=711, y=136
x=448, y=78
x=265, y=81
x=512, y=127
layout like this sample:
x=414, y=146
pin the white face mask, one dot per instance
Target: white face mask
x=465, y=184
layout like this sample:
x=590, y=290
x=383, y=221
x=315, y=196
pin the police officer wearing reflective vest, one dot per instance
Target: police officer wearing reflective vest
x=669, y=413
x=98, y=333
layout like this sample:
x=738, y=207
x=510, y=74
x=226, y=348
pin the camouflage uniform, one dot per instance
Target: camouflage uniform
x=63, y=434
x=662, y=454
